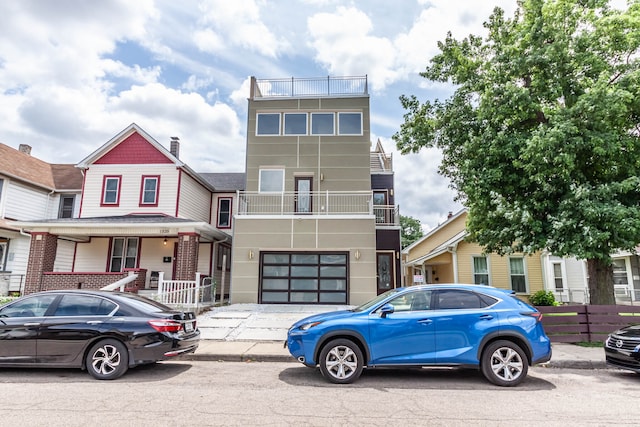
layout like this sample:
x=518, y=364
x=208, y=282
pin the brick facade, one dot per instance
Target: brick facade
x=187, y=256
x=42, y=256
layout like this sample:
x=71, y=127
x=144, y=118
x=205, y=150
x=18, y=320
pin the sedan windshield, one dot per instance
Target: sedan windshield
x=375, y=301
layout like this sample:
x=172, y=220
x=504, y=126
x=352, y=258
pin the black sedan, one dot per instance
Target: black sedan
x=105, y=333
x=622, y=348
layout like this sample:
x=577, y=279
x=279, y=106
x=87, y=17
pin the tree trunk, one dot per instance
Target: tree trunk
x=600, y=282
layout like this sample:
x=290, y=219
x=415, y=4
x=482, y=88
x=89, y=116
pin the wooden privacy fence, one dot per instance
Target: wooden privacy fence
x=586, y=323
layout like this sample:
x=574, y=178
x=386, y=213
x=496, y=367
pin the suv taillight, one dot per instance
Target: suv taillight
x=535, y=314
x=165, y=325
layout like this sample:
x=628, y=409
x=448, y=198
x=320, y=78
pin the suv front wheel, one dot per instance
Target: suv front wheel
x=341, y=361
x=504, y=363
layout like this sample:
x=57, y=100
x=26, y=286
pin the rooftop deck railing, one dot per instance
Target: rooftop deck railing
x=324, y=203
x=309, y=87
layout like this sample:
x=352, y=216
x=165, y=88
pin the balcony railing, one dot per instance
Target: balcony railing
x=308, y=87
x=323, y=203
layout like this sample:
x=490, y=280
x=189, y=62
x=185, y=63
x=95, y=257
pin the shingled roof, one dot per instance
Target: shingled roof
x=24, y=167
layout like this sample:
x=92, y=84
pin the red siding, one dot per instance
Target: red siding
x=133, y=150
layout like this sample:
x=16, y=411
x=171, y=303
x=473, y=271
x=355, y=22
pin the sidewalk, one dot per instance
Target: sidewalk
x=257, y=332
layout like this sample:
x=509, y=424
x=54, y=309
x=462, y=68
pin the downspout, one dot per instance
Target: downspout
x=453, y=250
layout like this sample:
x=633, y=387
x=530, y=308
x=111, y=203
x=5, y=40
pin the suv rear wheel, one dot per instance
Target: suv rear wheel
x=341, y=361
x=504, y=363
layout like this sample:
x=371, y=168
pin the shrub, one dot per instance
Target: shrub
x=543, y=298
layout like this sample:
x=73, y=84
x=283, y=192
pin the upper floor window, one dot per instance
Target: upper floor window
x=66, y=206
x=111, y=190
x=295, y=123
x=224, y=212
x=480, y=270
x=124, y=253
x=1, y=185
x=268, y=124
x=271, y=180
x=517, y=273
x=350, y=123
x=620, y=272
x=322, y=124
x=149, y=190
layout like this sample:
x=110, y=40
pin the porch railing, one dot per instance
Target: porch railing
x=186, y=294
x=10, y=282
x=325, y=203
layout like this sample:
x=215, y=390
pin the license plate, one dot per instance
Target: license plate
x=188, y=327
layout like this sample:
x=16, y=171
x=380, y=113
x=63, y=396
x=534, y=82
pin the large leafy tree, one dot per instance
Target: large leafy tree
x=540, y=137
x=411, y=230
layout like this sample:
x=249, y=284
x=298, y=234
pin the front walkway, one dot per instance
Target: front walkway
x=256, y=322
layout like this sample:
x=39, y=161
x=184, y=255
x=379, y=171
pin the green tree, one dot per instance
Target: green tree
x=540, y=137
x=411, y=230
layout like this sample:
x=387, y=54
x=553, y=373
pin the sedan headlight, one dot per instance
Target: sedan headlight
x=307, y=326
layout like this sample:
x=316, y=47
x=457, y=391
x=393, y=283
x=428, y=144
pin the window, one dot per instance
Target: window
x=111, y=191
x=295, y=123
x=268, y=124
x=271, y=180
x=480, y=270
x=224, y=212
x=322, y=124
x=149, y=190
x=304, y=277
x=462, y=300
x=557, y=276
x=620, y=272
x=84, y=305
x=222, y=251
x=1, y=185
x=35, y=306
x=3, y=254
x=124, y=253
x=415, y=301
x=66, y=206
x=350, y=123
x=517, y=273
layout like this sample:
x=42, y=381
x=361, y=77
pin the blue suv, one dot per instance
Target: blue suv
x=469, y=326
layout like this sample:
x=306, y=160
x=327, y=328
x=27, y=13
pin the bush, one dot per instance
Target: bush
x=543, y=298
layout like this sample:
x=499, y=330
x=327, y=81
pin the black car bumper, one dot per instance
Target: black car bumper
x=623, y=359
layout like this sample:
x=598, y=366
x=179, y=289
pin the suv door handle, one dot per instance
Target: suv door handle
x=486, y=317
x=425, y=321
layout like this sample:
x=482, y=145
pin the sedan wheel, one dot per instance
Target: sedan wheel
x=504, y=363
x=341, y=361
x=107, y=360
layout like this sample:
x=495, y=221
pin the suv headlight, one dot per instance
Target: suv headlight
x=308, y=326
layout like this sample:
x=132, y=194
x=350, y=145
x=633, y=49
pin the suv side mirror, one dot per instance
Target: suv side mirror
x=386, y=309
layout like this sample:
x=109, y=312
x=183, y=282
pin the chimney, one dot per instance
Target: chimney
x=24, y=148
x=175, y=147
x=450, y=215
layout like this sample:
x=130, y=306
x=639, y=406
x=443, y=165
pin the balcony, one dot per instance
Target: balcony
x=309, y=87
x=316, y=203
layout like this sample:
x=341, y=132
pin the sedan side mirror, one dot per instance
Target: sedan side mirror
x=386, y=309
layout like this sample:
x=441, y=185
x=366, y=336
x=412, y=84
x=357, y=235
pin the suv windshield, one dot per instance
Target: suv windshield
x=376, y=300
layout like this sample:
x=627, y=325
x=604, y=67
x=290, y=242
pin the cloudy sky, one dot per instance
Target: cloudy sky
x=74, y=73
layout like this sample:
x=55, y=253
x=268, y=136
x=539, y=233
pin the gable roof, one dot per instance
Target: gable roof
x=435, y=230
x=24, y=167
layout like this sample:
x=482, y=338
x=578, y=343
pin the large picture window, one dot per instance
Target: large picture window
x=350, y=123
x=111, y=190
x=517, y=273
x=271, y=180
x=322, y=124
x=149, y=190
x=268, y=124
x=295, y=123
x=124, y=253
x=304, y=277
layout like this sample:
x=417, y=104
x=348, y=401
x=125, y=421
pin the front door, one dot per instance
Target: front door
x=384, y=271
x=303, y=203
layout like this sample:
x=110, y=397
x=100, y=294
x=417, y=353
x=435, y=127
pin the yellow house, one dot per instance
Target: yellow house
x=444, y=256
